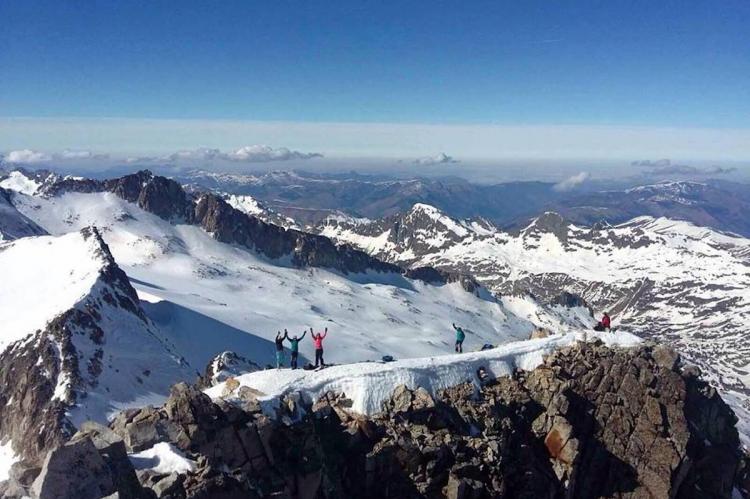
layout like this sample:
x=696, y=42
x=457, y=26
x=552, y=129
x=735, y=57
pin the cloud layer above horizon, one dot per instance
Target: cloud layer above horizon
x=246, y=154
x=160, y=138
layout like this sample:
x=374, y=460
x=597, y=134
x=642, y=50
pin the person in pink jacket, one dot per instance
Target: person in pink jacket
x=318, y=343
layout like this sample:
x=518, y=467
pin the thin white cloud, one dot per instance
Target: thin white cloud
x=133, y=137
x=247, y=154
x=26, y=156
x=263, y=153
x=572, y=182
x=77, y=154
x=647, y=163
x=439, y=159
x=662, y=167
x=29, y=157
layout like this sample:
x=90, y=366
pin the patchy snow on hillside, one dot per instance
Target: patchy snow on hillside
x=369, y=384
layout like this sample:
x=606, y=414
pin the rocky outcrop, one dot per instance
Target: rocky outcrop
x=223, y=366
x=589, y=422
x=440, y=276
x=230, y=225
x=161, y=196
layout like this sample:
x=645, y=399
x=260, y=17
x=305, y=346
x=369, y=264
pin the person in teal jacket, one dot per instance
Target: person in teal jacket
x=294, y=347
x=460, y=337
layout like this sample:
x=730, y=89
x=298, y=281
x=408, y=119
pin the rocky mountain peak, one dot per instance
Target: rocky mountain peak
x=85, y=348
x=549, y=222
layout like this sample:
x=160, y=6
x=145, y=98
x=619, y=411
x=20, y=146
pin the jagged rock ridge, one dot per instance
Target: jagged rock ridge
x=167, y=199
x=590, y=422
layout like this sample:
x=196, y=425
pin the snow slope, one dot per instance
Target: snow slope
x=206, y=296
x=121, y=359
x=44, y=277
x=12, y=223
x=368, y=385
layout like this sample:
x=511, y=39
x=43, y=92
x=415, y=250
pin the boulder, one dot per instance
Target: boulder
x=539, y=332
x=112, y=449
x=665, y=357
x=74, y=469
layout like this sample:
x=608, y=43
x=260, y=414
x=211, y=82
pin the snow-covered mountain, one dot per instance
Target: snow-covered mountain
x=662, y=279
x=90, y=327
x=75, y=343
x=194, y=282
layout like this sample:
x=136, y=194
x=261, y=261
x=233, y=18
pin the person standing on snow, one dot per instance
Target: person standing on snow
x=318, y=343
x=606, y=322
x=460, y=337
x=280, y=349
x=294, y=347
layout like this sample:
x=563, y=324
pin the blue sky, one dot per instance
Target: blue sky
x=650, y=64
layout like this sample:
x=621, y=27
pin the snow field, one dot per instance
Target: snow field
x=369, y=384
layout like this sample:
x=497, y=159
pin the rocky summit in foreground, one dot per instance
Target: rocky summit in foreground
x=591, y=421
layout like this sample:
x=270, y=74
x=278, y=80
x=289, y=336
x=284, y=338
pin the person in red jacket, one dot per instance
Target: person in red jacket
x=606, y=322
x=318, y=343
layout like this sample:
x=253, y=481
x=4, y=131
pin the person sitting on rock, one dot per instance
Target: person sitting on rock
x=318, y=343
x=280, y=348
x=460, y=337
x=294, y=347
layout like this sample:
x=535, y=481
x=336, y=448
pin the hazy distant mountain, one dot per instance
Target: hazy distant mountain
x=310, y=198
x=718, y=204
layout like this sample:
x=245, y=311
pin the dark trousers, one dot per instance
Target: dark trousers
x=294, y=360
x=460, y=346
x=319, y=357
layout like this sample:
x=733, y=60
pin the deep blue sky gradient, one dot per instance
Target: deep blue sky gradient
x=655, y=63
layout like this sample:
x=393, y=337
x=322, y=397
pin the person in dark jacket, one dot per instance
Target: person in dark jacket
x=318, y=343
x=280, y=349
x=460, y=337
x=294, y=347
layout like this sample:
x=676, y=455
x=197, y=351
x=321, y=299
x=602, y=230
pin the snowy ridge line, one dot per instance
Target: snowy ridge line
x=369, y=384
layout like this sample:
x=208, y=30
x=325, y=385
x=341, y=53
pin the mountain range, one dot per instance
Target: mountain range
x=666, y=280
x=309, y=198
x=115, y=289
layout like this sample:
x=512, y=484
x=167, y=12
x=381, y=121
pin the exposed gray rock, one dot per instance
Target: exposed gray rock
x=74, y=469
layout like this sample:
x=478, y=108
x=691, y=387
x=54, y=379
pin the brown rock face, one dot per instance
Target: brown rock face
x=590, y=422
